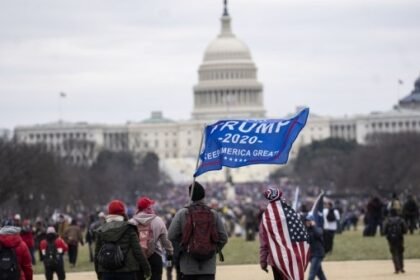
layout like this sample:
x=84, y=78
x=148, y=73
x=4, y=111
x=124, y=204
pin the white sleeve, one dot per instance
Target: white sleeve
x=337, y=214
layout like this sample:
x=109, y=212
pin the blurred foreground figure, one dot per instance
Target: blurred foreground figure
x=15, y=260
x=52, y=250
x=394, y=230
x=283, y=239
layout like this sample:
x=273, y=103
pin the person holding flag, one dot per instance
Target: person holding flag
x=316, y=242
x=283, y=239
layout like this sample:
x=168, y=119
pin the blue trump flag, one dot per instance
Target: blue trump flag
x=236, y=143
x=317, y=210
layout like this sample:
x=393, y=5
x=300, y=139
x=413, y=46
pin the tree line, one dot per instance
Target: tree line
x=386, y=163
x=36, y=182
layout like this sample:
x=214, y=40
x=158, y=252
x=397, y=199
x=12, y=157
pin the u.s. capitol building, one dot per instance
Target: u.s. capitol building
x=227, y=87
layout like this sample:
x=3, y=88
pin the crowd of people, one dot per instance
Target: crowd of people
x=237, y=210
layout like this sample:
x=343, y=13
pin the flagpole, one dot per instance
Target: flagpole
x=59, y=108
x=198, y=159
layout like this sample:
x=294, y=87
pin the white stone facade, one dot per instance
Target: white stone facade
x=359, y=128
x=227, y=88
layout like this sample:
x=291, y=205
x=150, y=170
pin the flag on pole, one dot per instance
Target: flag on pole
x=317, y=210
x=236, y=143
x=287, y=238
x=63, y=94
x=296, y=201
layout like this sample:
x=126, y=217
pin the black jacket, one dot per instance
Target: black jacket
x=126, y=236
x=316, y=241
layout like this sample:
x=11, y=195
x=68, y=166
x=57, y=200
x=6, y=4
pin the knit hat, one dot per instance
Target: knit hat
x=116, y=207
x=199, y=192
x=50, y=230
x=144, y=203
x=272, y=194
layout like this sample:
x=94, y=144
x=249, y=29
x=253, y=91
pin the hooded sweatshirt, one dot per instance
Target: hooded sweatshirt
x=10, y=238
x=160, y=233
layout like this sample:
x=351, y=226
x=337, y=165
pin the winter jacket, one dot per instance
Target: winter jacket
x=398, y=221
x=125, y=236
x=28, y=238
x=316, y=241
x=160, y=233
x=73, y=235
x=10, y=238
x=188, y=264
x=59, y=244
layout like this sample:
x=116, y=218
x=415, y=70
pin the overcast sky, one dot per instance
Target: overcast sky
x=119, y=60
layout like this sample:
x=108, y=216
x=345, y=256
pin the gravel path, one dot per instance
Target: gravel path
x=363, y=270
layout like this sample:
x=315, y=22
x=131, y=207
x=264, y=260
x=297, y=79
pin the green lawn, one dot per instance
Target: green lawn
x=347, y=246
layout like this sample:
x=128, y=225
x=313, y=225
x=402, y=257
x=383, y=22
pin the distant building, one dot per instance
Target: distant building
x=359, y=128
x=412, y=101
x=227, y=88
x=5, y=134
x=78, y=143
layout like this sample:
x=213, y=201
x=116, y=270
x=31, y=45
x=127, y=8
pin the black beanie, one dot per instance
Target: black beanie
x=199, y=192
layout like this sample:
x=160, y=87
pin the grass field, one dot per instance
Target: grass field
x=347, y=246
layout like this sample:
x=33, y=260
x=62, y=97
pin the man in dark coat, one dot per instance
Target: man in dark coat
x=191, y=268
x=316, y=243
x=394, y=230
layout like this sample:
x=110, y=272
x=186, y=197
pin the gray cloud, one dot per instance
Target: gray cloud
x=118, y=60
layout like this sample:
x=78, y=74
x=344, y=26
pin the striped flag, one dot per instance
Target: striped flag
x=287, y=238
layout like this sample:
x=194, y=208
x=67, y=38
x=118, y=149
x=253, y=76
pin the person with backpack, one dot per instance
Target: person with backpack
x=118, y=255
x=153, y=236
x=394, y=230
x=52, y=249
x=200, y=233
x=15, y=259
x=73, y=236
x=331, y=220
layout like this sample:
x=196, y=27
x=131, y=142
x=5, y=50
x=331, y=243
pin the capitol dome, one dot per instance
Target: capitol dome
x=226, y=46
x=228, y=85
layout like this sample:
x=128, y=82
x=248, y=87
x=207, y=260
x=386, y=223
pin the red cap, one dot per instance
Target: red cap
x=144, y=203
x=116, y=207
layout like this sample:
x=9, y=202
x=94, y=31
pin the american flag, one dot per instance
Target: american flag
x=287, y=238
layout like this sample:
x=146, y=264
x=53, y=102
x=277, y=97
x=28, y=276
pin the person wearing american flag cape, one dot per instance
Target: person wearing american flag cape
x=283, y=239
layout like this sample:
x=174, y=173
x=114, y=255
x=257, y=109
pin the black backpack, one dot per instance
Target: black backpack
x=394, y=229
x=331, y=215
x=111, y=256
x=52, y=257
x=9, y=267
